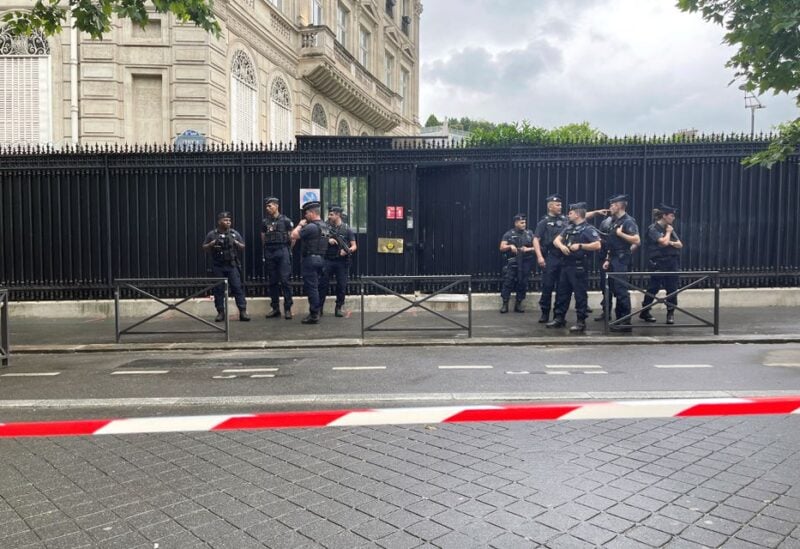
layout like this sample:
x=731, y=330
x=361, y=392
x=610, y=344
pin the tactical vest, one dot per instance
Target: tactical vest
x=654, y=251
x=317, y=246
x=553, y=227
x=332, y=251
x=225, y=251
x=616, y=245
x=573, y=236
x=275, y=233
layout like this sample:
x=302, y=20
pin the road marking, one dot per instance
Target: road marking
x=596, y=372
x=558, y=373
x=138, y=372
x=30, y=374
x=786, y=364
x=248, y=370
x=575, y=366
x=358, y=368
x=671, y=366
x=522, y=373
x=467, y=367
x=231, y=376
x=257, y=376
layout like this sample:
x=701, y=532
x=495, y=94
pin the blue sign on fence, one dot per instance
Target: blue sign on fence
x=189, y=140
x=308, y=195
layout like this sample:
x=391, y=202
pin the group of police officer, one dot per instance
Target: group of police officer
x=326, y=249
x=562, y=247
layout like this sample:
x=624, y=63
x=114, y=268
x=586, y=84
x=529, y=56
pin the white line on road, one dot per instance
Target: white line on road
x=248, y=370
x=31, y=374
x=358, y=368
x=557, y=373
x=574, y=366
x=138, y=372
x=257, y=376
x=521, y=373
x=467, y=367
x=595, y=372
x=231, y=376
x=670, y=366
x=786, y=364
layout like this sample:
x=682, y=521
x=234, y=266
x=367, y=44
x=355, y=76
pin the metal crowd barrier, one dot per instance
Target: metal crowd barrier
x=137, y=285
x=450, y=282
x=700, y=276
x=5, y=348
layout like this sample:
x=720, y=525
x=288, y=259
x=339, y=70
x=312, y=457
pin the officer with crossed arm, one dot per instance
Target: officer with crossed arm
x=517, y=245
x=549, y=257
x=275, y=236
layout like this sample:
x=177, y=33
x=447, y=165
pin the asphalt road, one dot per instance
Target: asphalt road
x=40, y=387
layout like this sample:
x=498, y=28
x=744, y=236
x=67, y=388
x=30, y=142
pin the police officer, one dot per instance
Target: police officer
x=604, y=229
x=623, y=233
x=517, y=245
x=548, y=256
x=576, y=242
x=224, y=244
x=663, y=249
x=341, y=247
x=313, y=234
x=275, y=231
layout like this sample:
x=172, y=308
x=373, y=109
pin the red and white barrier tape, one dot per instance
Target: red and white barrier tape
x=406, y=416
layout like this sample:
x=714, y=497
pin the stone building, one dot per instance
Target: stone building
x=280, y=68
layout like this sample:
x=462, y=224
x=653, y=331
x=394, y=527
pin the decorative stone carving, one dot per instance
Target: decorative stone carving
x=35, y=44
x=242, y=69
x=318, y=116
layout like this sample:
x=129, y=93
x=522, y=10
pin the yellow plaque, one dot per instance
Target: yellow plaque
x=390, y=245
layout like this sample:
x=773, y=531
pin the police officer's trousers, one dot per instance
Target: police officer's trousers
x=311, y=268
x=513, y=280
x=231, y=272
x=667, y=282
x=338, y=268
x=573, y=280
x=550, y=275
x=603, y=282
x=279, y=269
x=620, y=263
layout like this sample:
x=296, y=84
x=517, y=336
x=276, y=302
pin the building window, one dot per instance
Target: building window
x=277, y=3
x=404, y=102
x=316, y=12
x=319, y=120
x=344, y=127
x=364, y=40
x=280, y=112
x=244, y=99
x=388, y=78
x=25, y=86
x=351, y=194
x=342, y=19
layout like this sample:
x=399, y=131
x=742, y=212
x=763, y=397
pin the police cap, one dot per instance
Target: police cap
x=271, y=200
x=554, y=198
x=578, y=206
x=520, y=217
x=223, y=215
x=309, y=205
x=619, y=198
x=667, y=209
x=335, y=208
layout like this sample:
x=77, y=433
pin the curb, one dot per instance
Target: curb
x=569, y=341
x=635, y=409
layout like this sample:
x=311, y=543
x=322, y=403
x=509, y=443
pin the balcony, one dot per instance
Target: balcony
x=327, y=66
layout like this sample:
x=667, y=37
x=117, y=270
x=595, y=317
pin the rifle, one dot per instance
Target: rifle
x=340, y=241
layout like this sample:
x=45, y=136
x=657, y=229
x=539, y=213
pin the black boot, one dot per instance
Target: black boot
x=220, y=316
x=647, y=316
x=670, y=317
x=557, y=322
x=243, y=316
x=545, y=317
x=580, y=326
x=518, y=306
x=338, y=311
x=274, y=313
x=287, y=314
x=504, y=308
x=312, y=318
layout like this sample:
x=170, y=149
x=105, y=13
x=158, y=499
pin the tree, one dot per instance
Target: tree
x=432, y=121
x=94, y=18
x=525, y=133
x=767, y=34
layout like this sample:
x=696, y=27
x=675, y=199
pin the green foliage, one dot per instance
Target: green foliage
x=94, y=18
x=526, y=134
x=432, y=121
x=767, y=35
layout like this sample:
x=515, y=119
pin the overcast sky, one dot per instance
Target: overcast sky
x=625, y=66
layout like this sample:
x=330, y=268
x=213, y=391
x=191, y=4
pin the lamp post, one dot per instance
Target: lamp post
x=751, y=102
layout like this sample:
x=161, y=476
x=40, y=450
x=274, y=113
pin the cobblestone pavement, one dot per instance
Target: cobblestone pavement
x=731, y=482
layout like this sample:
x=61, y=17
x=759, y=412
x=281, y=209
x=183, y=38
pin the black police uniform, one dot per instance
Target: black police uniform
x=661, y=258
x=549, y=227
x=314, y=239
x=606, y=308
x=619, y=256
x=225, y=264
x=574, y=271
x=336, y=265
x=513, y=279
x=278, y=259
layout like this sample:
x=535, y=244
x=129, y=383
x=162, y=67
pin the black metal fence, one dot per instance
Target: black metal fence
x=73, y=221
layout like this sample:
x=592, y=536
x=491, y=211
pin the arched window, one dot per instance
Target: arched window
x=319, y=121
x=364, y=134
x=25, y=88
x=344, y=127
x=244, y=99
x=280, y=112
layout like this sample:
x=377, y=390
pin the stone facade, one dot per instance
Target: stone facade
x=352, y=63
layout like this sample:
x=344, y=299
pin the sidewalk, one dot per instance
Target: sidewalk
x=737, y=325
